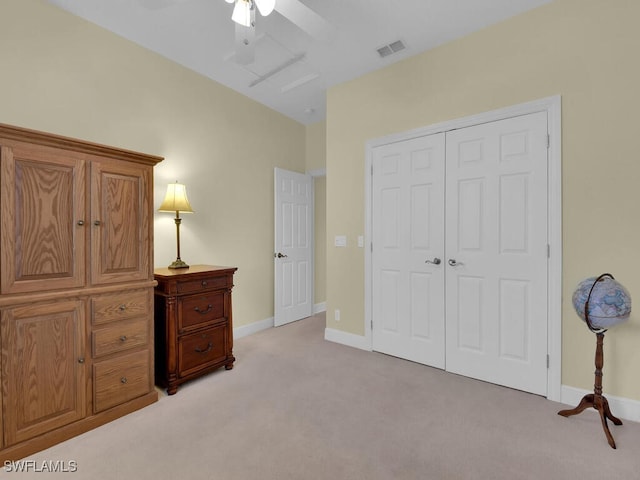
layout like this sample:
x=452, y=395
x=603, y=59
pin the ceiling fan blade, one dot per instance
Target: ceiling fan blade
x=305, y=18
x=245, y=43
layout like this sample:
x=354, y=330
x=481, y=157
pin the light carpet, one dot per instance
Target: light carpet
x=298, y=407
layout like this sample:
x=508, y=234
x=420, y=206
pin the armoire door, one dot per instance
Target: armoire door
x=496, y=250
x=408, y=246
x=43, y=218
x=120, y=216
x=475, y=304
x=43, y=368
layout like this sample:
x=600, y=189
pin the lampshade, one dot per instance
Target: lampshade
x=242, y=13
x=176, y=199
x=265, y=6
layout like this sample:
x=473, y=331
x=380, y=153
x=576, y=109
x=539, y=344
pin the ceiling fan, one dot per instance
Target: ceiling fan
x=244, y=16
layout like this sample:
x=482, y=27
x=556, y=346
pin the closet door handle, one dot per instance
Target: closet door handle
x=435, y=261
x=454, y=263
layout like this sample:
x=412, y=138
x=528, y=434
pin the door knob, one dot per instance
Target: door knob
x=435, y=261
x=454, y=263
x=280, y=255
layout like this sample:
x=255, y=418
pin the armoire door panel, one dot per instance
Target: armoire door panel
x=120, y=213
x=43, y=219
x=42, y=367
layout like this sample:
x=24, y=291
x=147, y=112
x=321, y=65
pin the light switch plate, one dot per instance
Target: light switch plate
x=340, y=241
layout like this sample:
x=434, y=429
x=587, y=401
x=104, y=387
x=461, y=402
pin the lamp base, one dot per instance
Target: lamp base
x=178, y=264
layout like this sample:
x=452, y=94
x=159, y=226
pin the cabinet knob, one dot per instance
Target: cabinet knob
x=122, y=307
x=81, y=360
x=80, y=223
x=123, y=380
x=204, y=283
x=123, y=338
x=96, y=223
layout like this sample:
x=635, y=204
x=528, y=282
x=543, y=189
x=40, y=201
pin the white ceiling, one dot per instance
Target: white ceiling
x=200, y=35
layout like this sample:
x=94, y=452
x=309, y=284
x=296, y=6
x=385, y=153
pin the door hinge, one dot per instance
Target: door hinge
x=548, y=140
x=548, y=361
x=371, y=247
x=372, y=169
x=548, y=251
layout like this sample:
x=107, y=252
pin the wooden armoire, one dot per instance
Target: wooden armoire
x=76, y=287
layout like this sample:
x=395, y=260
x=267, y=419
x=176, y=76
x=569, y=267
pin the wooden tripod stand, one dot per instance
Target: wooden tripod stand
x=596, y=399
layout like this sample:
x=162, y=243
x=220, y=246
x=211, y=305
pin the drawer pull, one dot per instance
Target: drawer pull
x=123, y=338
x=123, y=380
x=122, y=307
x=81, y=360
x=202, y=312
x=204, y=283
x=209, y=347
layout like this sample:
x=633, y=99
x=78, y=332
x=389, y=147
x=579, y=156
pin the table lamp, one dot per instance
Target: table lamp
x=176, y=201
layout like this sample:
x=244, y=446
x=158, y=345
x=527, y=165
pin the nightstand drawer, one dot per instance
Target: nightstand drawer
x=120, y=379
x=120, y=336
x=195, y=310
x=120, y=306
x=197, y=350
x=204, y=284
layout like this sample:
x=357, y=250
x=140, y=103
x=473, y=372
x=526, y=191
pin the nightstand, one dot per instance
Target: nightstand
x=193, y=323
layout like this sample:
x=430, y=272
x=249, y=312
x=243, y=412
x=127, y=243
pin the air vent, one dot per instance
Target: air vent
x=392, y=48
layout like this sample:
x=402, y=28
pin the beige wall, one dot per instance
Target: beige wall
x=316, y=160
x=67, y=76
x=584, y=50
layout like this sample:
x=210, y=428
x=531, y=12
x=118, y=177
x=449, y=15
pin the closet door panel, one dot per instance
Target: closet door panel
x=408, y=246
x=496, y=230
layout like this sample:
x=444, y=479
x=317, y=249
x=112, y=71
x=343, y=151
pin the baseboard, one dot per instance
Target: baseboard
x=624, y=408
x=348, y=339
x=255, y=327
x=320, y=307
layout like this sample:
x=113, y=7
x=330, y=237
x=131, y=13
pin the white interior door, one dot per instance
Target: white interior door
x=408, y=245
x=293, y=257
x=482, y=311
x=496, y=231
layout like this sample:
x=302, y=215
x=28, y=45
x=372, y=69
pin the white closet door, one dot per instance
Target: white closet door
x=408, y=231
x=496, y=230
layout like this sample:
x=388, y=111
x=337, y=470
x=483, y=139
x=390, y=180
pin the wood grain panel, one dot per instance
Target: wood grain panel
x=120, y=379
x=43, y=379
x=120, y=212
x=43, y=209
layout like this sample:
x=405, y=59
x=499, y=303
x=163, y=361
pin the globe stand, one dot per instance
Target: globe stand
x=596, y=399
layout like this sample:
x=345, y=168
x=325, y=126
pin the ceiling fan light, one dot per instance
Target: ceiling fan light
x=229, y=1
x=265, y=6
x=242, y=13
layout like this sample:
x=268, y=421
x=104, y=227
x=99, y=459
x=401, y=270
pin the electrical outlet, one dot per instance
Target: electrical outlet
x=336, y=315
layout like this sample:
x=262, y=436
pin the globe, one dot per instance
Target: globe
x=609, y=304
